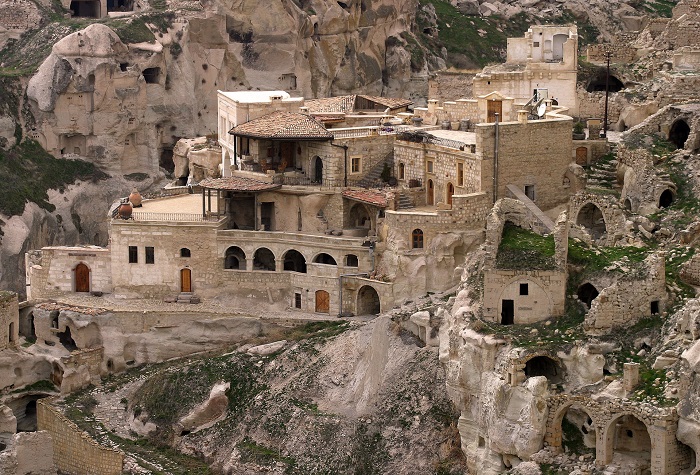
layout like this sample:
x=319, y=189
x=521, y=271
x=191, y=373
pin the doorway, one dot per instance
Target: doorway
x=323, y=301
x=431, y=193
x=318, y=170
x=82, y=278
x=267, y=216
x=507, y=312
x=492, y=108
x=185, y=280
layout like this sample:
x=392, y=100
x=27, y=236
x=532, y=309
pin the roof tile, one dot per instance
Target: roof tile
x=283, y=125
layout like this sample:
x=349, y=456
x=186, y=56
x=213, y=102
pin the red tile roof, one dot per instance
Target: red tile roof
x=374, y=198
x=347, y=103
x=390, y=102
x=283, y=125
x=237, y=183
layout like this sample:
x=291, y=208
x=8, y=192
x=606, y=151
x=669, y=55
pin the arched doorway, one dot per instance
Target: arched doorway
x=12, y=332
x=587, y=293
x=234, y=258
x=185, y=280
x=359, y=217
x=597, y=84
x=558, y=46
x=264, y=259
x=666, y=199
x=294, y=261
x=581, y=156
x=368, y=302
x=318, y=170
x=430, y=199
x=678, y=134
x=82, y=278
x=323, y=301
x=578, y=432
x=544, y=366
x=591, y=218
x=450, y=192
x=629, y=437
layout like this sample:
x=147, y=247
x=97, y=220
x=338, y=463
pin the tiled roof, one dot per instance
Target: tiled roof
x=374, y=198
x=283, y=125
x=237, y=183
x=390, y=102
x=346, y=104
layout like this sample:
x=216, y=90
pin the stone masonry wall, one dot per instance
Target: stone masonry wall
x=81, y=368
x=16, y=17
x=537, y=153
x=450, y=86
x=74, y=451
x=9, y=320
x=51, y=270
x=690, y=272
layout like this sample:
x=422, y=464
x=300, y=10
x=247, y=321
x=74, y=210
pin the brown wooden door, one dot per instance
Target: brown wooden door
x=450, y=192
x=82, y=278
x=431, y=193
x=185, y=280
x=493, y=108
x=582, y=156
x=323, y=301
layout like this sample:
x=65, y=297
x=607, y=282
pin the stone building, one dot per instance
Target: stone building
x=9, y=320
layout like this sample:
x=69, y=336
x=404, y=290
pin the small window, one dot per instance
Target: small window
x=402, y=171
x=523, y=289
x=429, y=166
x=530, y=192
x=297, y=300
x=184, y=252
x=460, y=174
x=150, y=255
x=351, y=260
x=655, y=307
x=535, y=44
x=133, y=255
x=356, y=164
x=417, y=239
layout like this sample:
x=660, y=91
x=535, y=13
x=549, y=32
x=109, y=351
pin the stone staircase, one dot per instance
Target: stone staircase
x=373, y=179
x=187, y=297
x=404, y=202
x=602, y=174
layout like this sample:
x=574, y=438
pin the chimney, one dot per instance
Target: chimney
x=630, y=378
x=304, y=110
x=522, y=116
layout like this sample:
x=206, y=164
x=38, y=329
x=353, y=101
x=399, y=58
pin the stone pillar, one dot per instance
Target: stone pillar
x=248, y=263
x=630, y=376
x=593, y=128
x=279, y=264
x=522, y=116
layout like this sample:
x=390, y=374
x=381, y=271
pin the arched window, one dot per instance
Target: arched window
x=417, y=239
x=184, y=252
x=324, y=258
x=234, y=258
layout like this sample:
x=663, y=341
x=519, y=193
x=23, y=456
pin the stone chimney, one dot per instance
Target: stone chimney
x=304, y=110
x=522, y=116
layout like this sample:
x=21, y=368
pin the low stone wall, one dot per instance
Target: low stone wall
x=74, y=451
x=81, y=368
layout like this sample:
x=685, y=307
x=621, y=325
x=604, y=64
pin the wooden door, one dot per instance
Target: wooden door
x=582, y=156
x=431, y=193
x=286, y=154
x=450, y=192
x=323, y=301
x=185, y=280
x=82, y=278
x=493, y=108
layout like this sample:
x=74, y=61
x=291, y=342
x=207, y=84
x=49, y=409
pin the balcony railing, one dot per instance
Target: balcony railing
x=173, y=217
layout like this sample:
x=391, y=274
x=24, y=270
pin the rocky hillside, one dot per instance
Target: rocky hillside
x=338, y=398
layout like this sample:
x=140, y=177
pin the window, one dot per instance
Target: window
x=655, y=307
x=429, y=166
x=530, y=191
x=535, y=44
x=417, y=239
x=356, y=166
x=150, y=255
x=297, y=300
x=460, y=174
x=133, y=255
x=524, y=289
x=184, y=252
x=402, y=171
x=351, y=260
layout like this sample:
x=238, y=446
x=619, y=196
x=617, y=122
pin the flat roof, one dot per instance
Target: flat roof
x=255, y=96
x=185, y=203
x=456, y=135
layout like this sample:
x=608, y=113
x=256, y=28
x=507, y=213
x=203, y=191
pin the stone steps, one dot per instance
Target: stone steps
x=404, y=202
x=187, y=297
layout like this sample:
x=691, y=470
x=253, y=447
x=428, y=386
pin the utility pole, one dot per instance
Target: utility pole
x=608, y=54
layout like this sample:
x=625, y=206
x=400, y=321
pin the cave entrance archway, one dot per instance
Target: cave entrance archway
x=591, y=217
x=597, y=84
x=666, y=199
x=679, y=132
x=544, y=366
x=578, y=432
x=264, y=259
x=234, y=258
x=587, y=293
x=628, y=435
x=368, y=302
x=85, y=8
x=66, y=340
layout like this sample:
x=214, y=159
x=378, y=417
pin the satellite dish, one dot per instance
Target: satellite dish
x=541, y=109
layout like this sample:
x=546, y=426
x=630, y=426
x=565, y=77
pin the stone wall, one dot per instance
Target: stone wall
x=51, y=270
x=451, y=85
x=536, y=153
x=613, y=218
x=28, y=453
x=690, y=272
x=639, y=292
x=621, y=52
x=9, y=320
x=80, y=369
x=16, y=17
x=642, y=186
x=75, y=451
